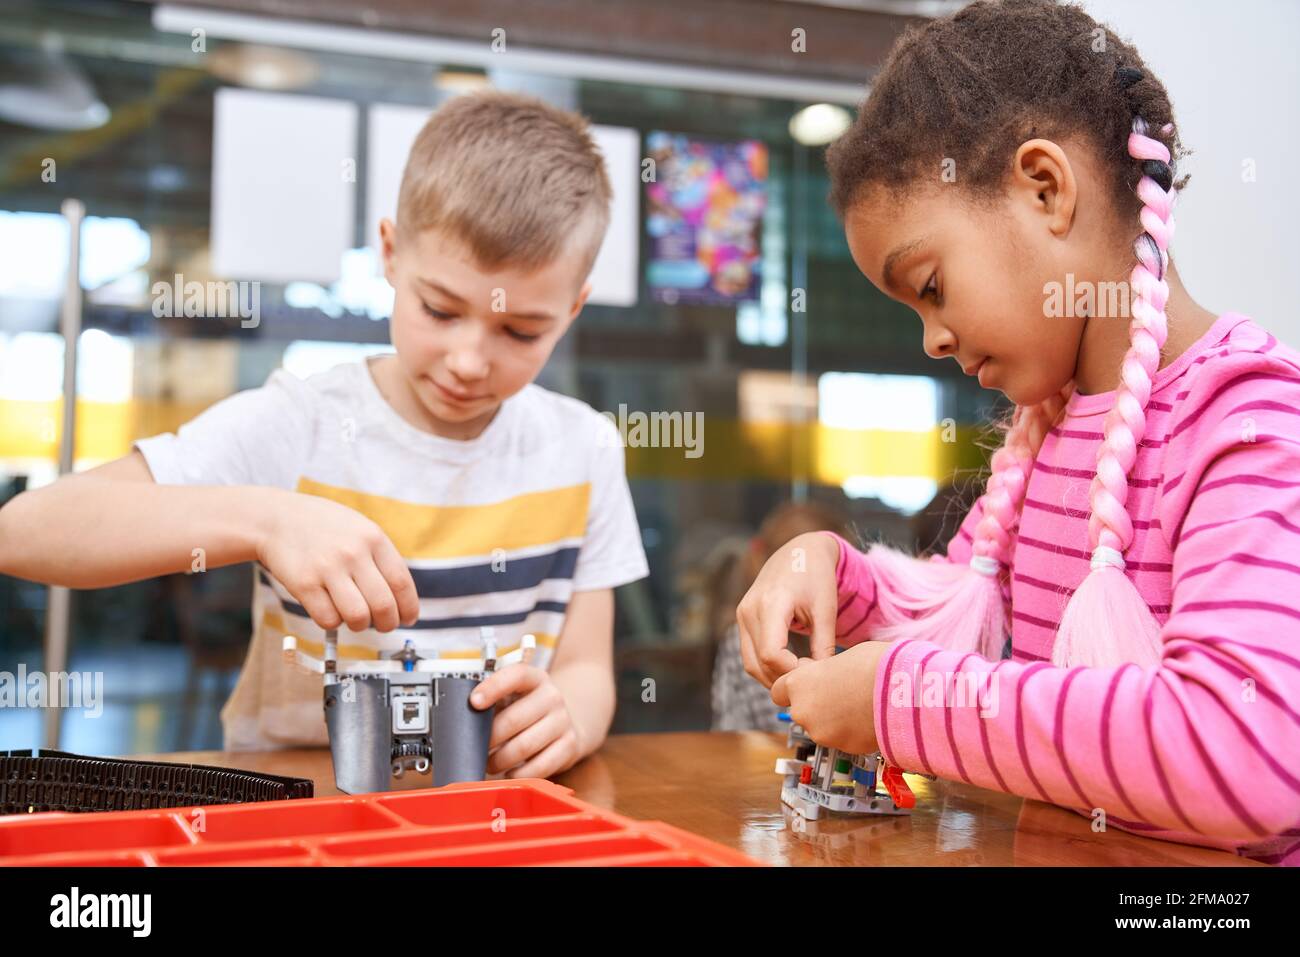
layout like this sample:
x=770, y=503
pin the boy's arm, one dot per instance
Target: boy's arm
x=561, y=715
x=215, y=485
x=583, y=668
x=549, y=720
x=113, y=524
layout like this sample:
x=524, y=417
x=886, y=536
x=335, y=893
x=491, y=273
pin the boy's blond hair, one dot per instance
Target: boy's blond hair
x=514, y=178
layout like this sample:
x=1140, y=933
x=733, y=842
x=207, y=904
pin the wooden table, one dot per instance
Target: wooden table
x=722, y=786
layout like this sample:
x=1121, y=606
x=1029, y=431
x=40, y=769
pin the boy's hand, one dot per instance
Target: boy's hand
x=834, y=698
x=534, y=729
x=795, y=589
x=339, y=565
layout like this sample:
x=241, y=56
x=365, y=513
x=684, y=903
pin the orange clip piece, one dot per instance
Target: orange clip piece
x=899, y=792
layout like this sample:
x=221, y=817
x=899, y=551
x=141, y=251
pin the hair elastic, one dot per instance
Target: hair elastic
x=1104, y=555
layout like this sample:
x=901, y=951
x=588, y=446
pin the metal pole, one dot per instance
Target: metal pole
x=56, y=616
x=801, y=447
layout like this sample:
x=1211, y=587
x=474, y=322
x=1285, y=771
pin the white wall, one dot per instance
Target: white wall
x=1231, y=69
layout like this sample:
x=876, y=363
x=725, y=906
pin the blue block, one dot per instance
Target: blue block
x=864, y=777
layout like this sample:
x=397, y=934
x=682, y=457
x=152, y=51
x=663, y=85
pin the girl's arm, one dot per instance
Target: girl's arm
x=857, y=611
x=1207, y=746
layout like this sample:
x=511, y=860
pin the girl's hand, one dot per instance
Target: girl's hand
x=795, y=589
x=533, y=734
x=833, y=699
x=338, y=564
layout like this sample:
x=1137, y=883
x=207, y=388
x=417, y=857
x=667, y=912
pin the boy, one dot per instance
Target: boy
x=419, y=496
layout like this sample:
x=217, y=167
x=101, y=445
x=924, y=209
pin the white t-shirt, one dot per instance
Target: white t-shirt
x=498, y=531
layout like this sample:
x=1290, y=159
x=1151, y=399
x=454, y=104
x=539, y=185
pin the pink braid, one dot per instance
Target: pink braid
x=1005, y=493
x=1106, y=622
x=960, y=606
x=1109, y=524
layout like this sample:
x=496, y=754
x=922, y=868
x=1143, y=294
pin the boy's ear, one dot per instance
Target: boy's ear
x=581, y=301
x=388, y=249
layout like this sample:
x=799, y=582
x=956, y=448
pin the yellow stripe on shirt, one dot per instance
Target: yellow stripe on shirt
x=458, y=531
x=542, y=641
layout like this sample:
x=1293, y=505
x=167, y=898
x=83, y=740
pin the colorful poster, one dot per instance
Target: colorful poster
x=704, y=214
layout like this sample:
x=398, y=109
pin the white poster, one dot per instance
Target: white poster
x=614, y=278
x=390, y=133
x=284, y=171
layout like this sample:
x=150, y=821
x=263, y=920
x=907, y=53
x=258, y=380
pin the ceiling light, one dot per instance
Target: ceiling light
x=819, y=124
x=45, y=90
x=460, y=81
x=262, y=67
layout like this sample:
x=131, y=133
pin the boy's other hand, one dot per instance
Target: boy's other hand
x=339, y=565
x=533, y=735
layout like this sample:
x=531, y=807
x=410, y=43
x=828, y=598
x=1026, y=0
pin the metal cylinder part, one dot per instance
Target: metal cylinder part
x=361, y=734
x=460, y=733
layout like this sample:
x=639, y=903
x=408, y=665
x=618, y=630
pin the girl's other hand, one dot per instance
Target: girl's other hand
x=795, y=589
x=834, y=699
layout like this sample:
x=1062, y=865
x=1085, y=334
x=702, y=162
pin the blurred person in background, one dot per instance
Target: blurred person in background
x=740, y=702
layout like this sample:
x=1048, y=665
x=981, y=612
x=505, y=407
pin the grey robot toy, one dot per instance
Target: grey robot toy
x=387, y=715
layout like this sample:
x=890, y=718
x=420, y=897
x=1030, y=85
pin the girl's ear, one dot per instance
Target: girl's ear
x=1043, y=177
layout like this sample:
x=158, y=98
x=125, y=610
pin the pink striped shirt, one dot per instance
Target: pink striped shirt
x=1204, y=750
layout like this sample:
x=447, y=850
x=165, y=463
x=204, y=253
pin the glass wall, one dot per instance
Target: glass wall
x=815, y=389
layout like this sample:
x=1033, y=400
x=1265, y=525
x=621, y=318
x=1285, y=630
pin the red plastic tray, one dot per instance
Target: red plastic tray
x=491, y=823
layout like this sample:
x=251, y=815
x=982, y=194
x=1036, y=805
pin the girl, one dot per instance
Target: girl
x=1139, y=534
